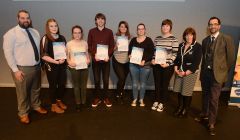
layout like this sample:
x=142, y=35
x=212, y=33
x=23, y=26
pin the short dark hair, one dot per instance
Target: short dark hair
x=100, y=15
x=167, y=22
x=219, y=21
x=142, y=25
x=189, y=30
x=78, y=27
x=22, y=11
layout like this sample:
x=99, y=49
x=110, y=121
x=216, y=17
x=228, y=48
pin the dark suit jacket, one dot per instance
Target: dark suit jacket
x=223, y=57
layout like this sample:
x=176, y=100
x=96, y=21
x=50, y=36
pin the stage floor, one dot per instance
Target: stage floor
x=120, y=122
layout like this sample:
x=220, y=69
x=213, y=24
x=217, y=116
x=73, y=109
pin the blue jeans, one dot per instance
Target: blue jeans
x=139, y=76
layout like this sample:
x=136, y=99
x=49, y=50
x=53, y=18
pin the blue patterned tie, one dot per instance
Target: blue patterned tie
x=33, y=45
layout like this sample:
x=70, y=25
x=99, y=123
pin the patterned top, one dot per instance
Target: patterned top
x=170, y=44
x=121, y=56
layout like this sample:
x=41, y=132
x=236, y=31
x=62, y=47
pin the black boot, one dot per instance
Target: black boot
x=180, y=105
x=78, y=107
x=186, y=105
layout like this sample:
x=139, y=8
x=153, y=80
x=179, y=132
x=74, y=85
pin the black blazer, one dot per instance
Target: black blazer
x=189, y=60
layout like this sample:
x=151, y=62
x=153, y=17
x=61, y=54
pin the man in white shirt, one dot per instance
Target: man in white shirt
x=21, y=50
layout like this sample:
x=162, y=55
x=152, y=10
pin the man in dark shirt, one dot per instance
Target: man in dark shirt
x=101, y=37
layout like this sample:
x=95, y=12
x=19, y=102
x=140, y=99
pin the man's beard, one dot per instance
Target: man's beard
x=24, y=25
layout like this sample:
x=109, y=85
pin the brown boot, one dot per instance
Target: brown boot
x=24, y=119
x=41, y=110
x=56, y=109
x=61, y=105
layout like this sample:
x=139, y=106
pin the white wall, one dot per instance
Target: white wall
x=187, y=13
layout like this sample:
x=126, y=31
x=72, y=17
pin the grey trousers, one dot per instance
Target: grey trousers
x=79, y=81
x=211, y=91
x=28, y=90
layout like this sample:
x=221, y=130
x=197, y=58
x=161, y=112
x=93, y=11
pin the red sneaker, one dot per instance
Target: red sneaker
x=96, y=102
x=107, y=102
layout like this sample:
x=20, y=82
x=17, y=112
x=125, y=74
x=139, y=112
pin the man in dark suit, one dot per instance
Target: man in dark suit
x=218, y=56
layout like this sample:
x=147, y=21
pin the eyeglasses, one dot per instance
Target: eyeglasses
x=214, y=24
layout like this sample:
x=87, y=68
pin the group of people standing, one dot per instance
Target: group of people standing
x=24, y=51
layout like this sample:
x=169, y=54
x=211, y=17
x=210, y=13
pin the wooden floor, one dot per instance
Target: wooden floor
x=121, y=122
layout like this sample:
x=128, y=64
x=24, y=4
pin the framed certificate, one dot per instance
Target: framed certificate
x=80, y=59
x=122, y=42
x=136, y=55
x=59, y=50
x=102, y=51
x=160, y=55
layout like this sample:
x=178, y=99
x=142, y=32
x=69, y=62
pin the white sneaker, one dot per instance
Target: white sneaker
x=134, y=102
x=141, y=103
x=160, y=107
x=155, y=106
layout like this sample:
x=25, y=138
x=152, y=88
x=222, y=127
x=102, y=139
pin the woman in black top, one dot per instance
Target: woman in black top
x=186, y=69
x=55, y=68
x=140, y=70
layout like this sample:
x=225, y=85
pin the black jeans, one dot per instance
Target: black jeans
x=99, y=68
x=121, y=70
x=162, y=77
x=57, y=81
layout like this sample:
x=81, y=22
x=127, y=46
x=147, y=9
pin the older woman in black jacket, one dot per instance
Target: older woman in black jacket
x=186, y=69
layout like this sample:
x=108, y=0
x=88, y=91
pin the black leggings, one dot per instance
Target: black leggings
x=162, y=77
x=57, y=80
x=121, y=70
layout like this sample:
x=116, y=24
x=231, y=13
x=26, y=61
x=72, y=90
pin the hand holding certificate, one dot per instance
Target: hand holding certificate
x=136, y=55
x=102, y=52
x=59, y=50
x=80, y=59
x=122, y=43
x=160, y=56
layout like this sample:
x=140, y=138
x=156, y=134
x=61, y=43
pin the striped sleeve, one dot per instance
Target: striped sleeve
x=175, y=46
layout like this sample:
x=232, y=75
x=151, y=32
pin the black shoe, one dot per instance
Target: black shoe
x=119, y=98
x=201, y=118
x=180, y=106
x=78, y=107
x=178, y=111
x=183, y=113
x=186, y=105
x=212, y=131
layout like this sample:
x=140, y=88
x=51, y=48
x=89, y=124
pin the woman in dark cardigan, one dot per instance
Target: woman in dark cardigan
x=186, y=69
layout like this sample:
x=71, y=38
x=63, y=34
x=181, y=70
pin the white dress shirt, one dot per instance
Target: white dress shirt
x=18, y=49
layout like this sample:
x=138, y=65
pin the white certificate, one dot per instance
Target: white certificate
x=136, y=55
x=80, y=59
x=59, y=50
x=160, y=55
x=122, y=42
x=102, y=51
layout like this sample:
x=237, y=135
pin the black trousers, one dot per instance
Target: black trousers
x=57, y=81
x=211, y=91
x=99, y=68
x=121, y=70
x=162, y=77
